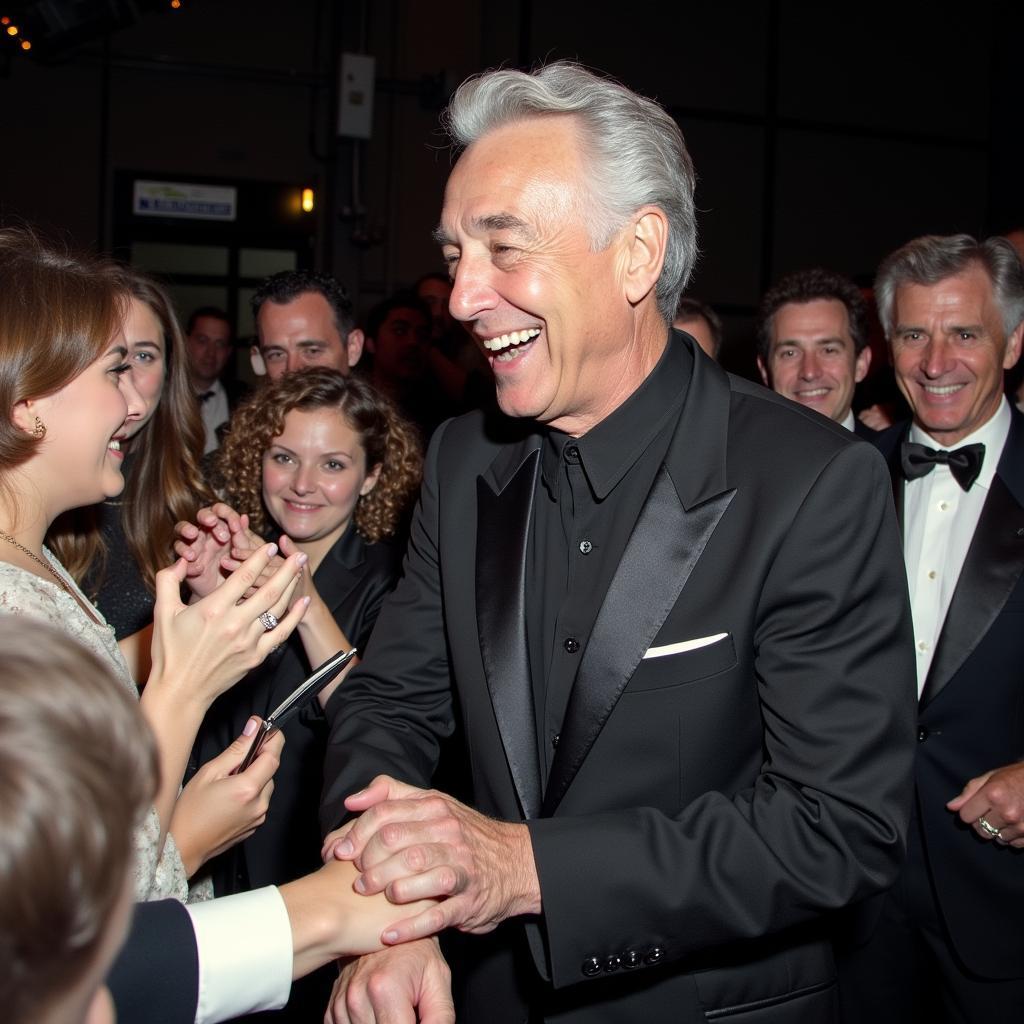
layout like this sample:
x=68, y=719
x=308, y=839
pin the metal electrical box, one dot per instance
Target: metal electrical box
x=355, y=100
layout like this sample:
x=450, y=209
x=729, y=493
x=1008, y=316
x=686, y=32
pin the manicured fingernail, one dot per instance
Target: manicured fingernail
x=389, y=937
x=360, y=885
x=250, y=727
x=302, y=559
x=344, y=848
x=271, y=550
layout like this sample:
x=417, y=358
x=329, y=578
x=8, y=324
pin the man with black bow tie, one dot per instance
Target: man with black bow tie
x=948, y=944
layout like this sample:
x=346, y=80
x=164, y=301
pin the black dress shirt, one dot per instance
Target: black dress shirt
x=589, y=496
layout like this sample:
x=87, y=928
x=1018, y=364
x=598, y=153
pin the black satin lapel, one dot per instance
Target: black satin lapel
x=503, y=529
x=897, y=491
x=994, y=563
x=896, y=474
x=662, y=551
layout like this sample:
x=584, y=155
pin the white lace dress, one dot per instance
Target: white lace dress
x=24, y=593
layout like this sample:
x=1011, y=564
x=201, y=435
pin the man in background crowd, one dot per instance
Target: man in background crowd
x=208, y=341
x=701, y=322
x=398, y=340
x=303, y=318
x=812, y=343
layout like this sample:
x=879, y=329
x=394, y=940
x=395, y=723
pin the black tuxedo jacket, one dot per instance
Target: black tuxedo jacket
x=236, y=390
x=155, y=978
x=971, y=719
x=863, y=431
x=353, y=580
x=711, y=802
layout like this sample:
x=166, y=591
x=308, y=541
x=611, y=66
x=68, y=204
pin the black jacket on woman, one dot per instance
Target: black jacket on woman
x=353, y=580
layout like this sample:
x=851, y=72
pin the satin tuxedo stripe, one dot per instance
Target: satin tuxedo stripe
x=711, y=805
x=503, y=529
x=971, y=719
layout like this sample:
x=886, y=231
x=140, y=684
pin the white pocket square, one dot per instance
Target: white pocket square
x=684, y=645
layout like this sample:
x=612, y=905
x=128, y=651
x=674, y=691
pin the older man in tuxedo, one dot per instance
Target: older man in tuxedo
x=948, y=945
x=682, y=667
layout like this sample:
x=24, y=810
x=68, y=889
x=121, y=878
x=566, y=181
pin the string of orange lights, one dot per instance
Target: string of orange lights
x=14, y=32
x=11, y=28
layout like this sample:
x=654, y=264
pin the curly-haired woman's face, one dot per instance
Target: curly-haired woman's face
x=314, y=472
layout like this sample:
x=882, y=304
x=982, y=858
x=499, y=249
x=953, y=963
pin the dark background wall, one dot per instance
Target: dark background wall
x=820, y=134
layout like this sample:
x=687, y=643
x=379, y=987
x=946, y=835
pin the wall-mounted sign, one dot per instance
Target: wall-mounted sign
x=175, y=199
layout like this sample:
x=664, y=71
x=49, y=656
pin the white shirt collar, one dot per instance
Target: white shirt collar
x=849, y=421
x=992, y=434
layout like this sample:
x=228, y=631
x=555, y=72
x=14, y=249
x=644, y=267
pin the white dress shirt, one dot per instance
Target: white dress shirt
x=214, y=411
x=245, y=954
x=849, y=422
x=939, y=520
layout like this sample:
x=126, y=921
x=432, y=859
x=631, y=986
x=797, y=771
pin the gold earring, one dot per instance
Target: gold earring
x=39, y=430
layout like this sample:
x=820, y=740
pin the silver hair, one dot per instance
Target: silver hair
x=932, y=258
x=639, y=157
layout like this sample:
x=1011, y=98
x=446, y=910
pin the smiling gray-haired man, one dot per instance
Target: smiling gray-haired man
x=948, y=945
x=684, y=671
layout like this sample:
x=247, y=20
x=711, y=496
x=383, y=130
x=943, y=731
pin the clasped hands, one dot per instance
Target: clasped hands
x=218, y=543
x=412, y=844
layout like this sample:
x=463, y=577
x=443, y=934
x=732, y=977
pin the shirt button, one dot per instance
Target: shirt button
x=612, y=963
x=922, y=735
x=586, y=547
x=572, y=645
x=572, y=453
x=922, y=645
x=555, y=739
x=931, y=574
x=654, y=956
x=943, y=505
x=632, y=959
x=591, y=966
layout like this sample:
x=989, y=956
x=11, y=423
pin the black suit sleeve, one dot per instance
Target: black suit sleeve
x=155, y=978
x=400, y=734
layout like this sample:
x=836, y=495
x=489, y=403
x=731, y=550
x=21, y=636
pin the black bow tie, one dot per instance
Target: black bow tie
x=964, y=463
x=205, y=396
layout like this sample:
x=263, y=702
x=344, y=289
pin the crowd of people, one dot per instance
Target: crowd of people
x=730, y=672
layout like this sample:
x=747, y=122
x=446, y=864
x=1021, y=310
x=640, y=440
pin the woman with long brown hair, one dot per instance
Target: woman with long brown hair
x=67, y=397
x=115, y=549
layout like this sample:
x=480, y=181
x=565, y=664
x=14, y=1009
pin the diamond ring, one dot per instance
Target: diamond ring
x=990, y=829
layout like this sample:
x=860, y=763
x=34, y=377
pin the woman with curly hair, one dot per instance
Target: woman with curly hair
x=115, y=549
x=322, y=464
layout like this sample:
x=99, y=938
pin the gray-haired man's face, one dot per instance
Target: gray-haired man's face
x=550, y=313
